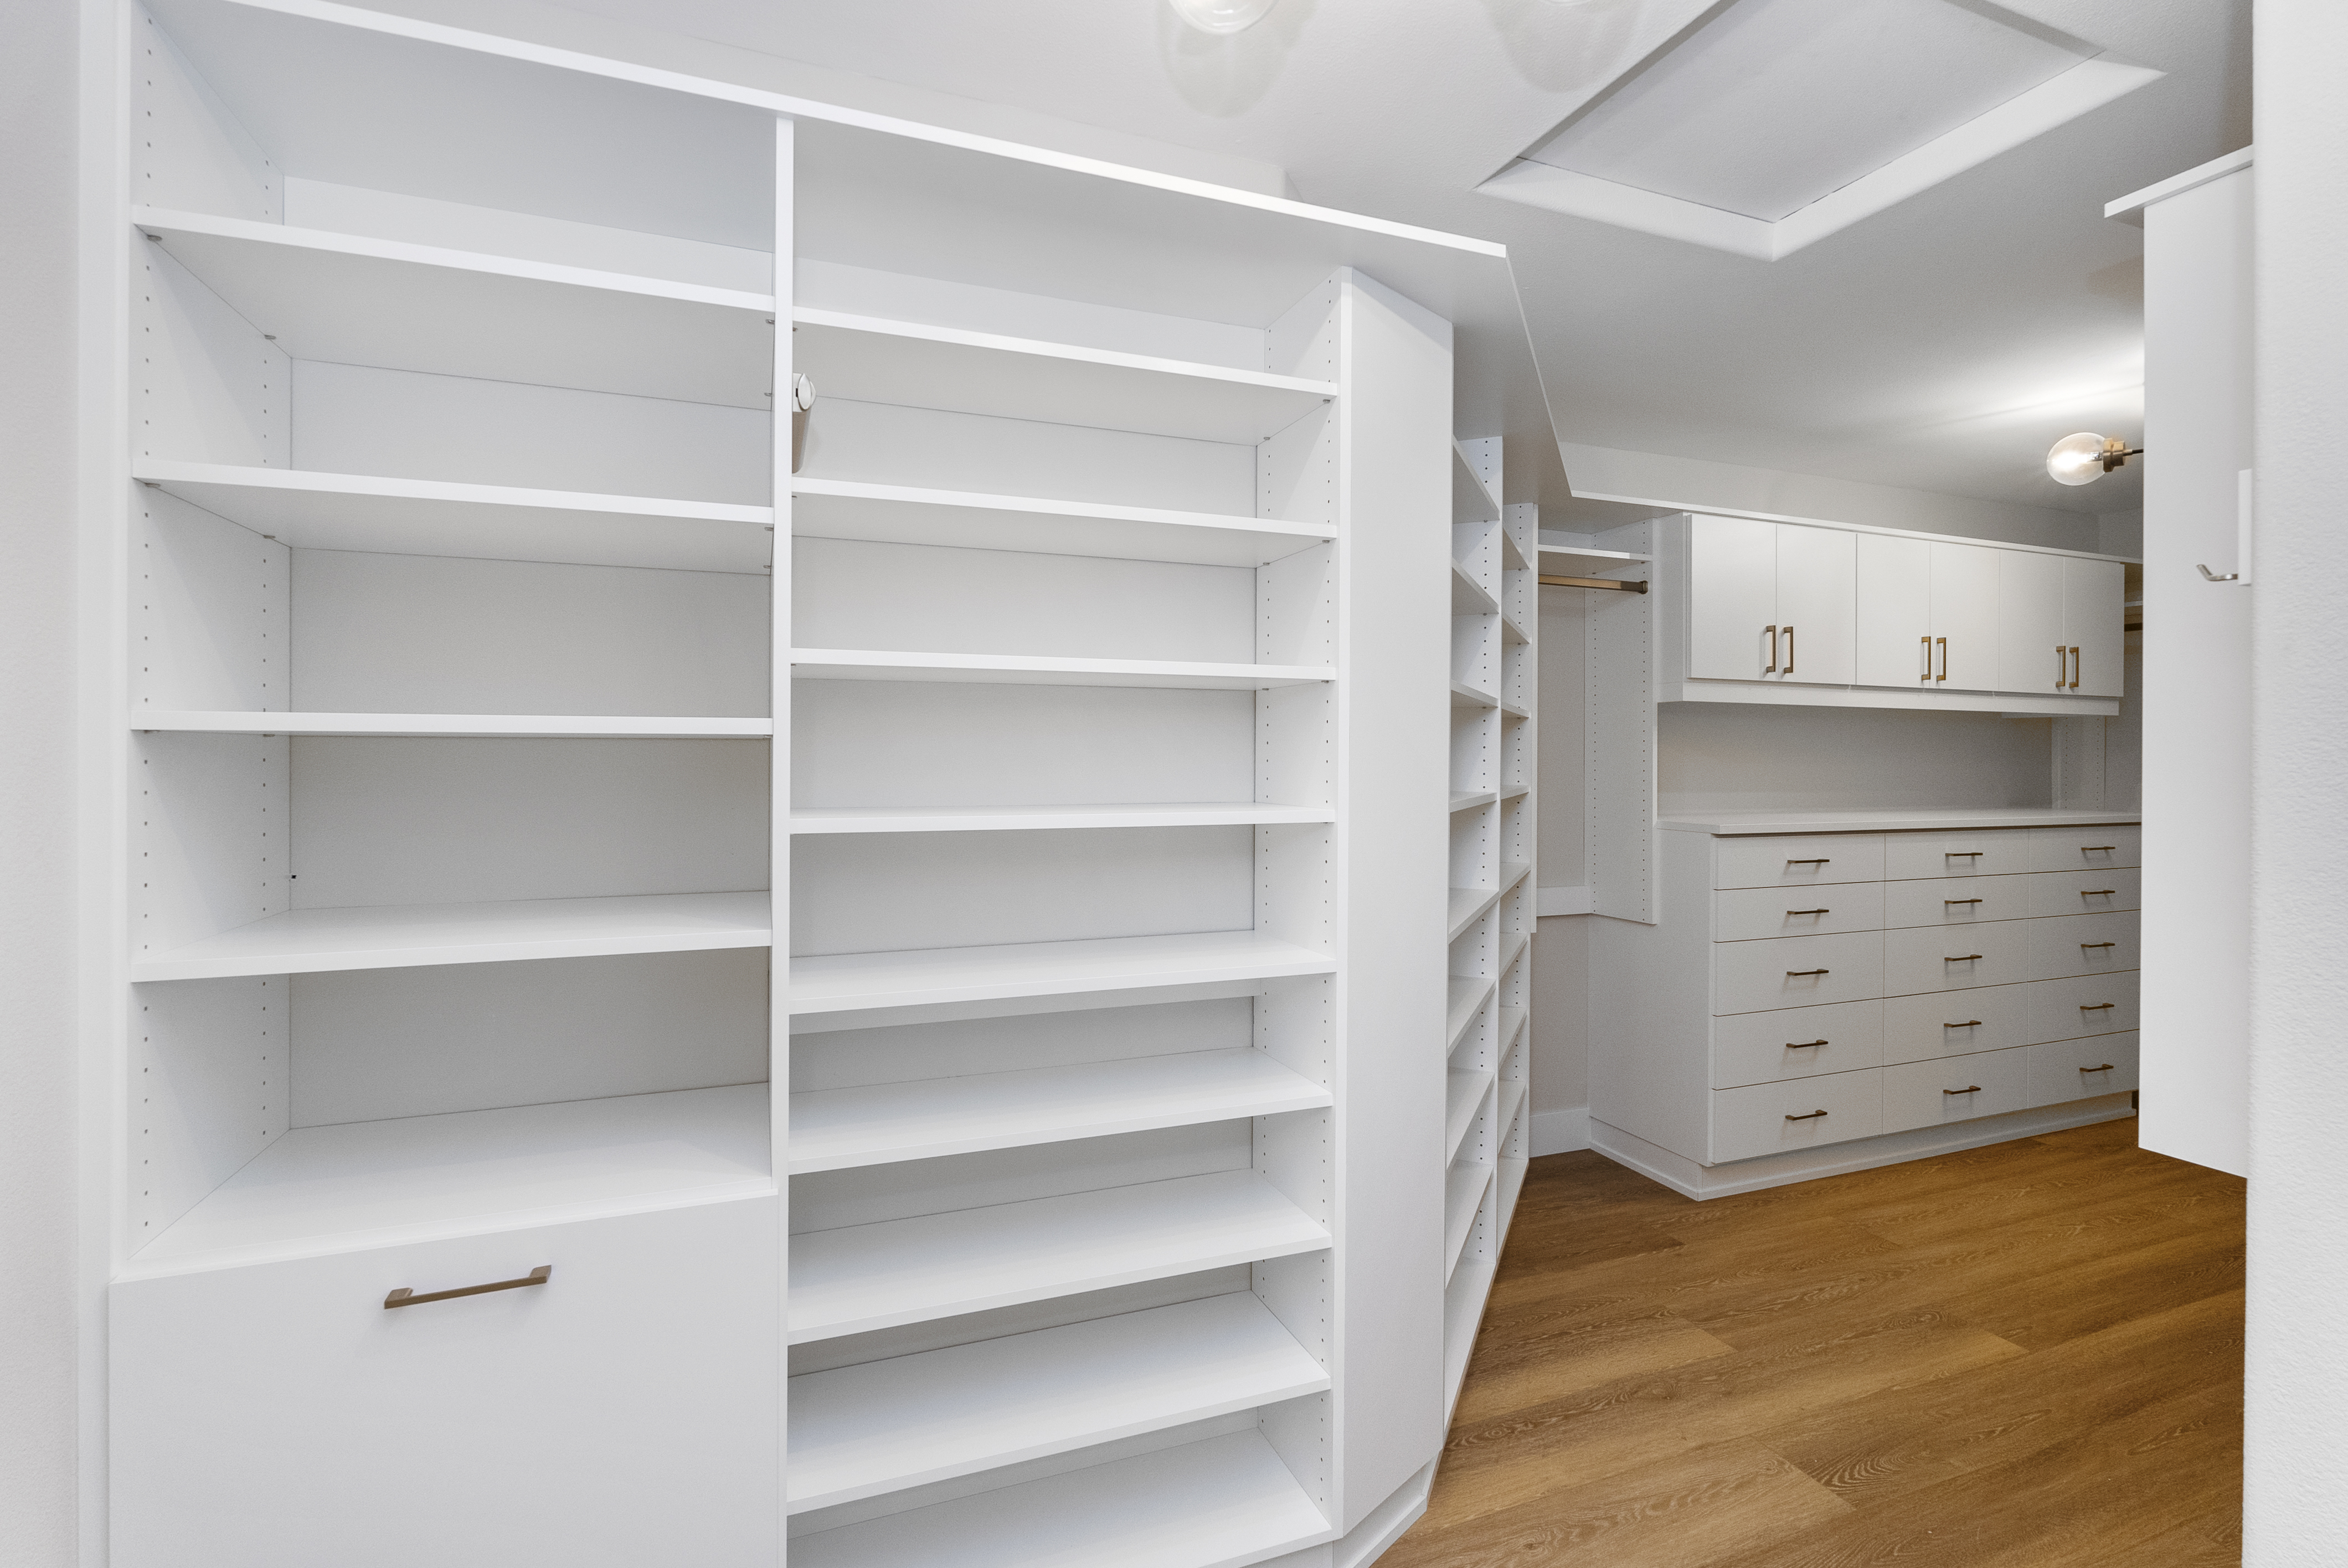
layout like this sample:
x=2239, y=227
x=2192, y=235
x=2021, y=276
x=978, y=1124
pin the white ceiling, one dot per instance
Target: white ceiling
x=1941, y=344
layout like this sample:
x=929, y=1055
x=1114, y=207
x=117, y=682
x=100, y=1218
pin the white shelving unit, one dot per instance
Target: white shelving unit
x=841, y=985
x=1494, y=673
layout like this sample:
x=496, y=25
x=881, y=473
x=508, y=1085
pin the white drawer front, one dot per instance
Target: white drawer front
x=1984, y=852
x=1798, y=862
x=1958, y=1023
x=2067, y=1069
x=2085, y=849
x=2093, y=1004
x=1997, y=954
x=1796, y=971
x=2085, y=892
x=1795, y=1043
x=1772, y=1118
x=623, y=1413
x=1955, y=1089
x=1956, y=901
x=1746, y=914
x=2084, y=945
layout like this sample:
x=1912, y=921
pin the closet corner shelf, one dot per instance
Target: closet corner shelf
x=857, y=1278
x=879, y=1427
x=1036, y=670
x=1464, y=1186
x=1472, y=500
x=1512, y=1023
x=1463, y=800
x=1510, y=792
x=568, y=726
x=356, y=300
x=1511, y=710
x=401, y=935
x=1510, y=632
x=1468, y=906
x=1512, y=872
x=1464, y=1097
x=838, y=1129
x=1216, y=1502
x=1512, y=1100
x=846, y=983
x=1514, y=948
x=1512, y=555
x=1470, y=597
x=868, y=359
x=900, y=514
x=1466, y=696
x=308, y=510
x=1465, y=997
x=1022, y=818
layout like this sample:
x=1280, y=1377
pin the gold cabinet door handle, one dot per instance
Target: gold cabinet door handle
x=1942, y=644
x=1969, y=1023
x=1810, y=1116
x=1927, y=642
x=1803, y=974
x=2074, y=670
x=1771, y=668
x=1962, y=958
x=403, y=1297
x=1789, y=651
x=1969, y=1089
x=1804, y=1044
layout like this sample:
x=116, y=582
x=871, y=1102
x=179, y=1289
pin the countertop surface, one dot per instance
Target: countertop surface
x=1740, y=822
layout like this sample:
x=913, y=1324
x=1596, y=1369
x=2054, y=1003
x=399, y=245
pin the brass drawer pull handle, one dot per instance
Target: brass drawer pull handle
x=2098, y=892
x=403, y=1297
x=1969, y=1023
x=2104, y=1068
x=1821, y=860
x=1969, y=1089
x=1799, y=974
x=1962, y=854
x=1811, y=1116
x=1960, y=900
x=2095, y=848
x=1968, y=959
x=2096, y=1006
x=2099, y=944
x=1809, y=911
x=1804, y=1044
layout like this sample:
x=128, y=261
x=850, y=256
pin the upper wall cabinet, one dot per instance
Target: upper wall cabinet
x=1833, y=615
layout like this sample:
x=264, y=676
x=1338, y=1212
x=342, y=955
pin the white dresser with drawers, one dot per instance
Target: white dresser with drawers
x=1827, y=991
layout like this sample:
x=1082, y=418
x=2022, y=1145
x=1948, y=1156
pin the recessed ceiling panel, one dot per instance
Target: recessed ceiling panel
x=1776, y=103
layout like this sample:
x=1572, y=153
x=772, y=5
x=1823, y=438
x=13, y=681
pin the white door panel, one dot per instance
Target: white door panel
x=2095, y=595
x=1964, y=617
x=1817, y=608
x=2031, y=655
x=1892, y=611
x=1732, y=597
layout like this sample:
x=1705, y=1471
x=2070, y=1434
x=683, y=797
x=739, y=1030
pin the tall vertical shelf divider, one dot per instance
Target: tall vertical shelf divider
x=1488, y=1032
x=748, y=983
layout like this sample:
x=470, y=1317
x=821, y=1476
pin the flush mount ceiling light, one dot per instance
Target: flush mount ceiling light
x=1221, y=16
x=2085, y=458
x=1770, y=124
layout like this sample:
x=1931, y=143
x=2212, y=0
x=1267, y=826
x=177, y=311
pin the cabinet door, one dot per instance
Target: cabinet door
x=626, y=1412
x=2095, y=597
x=1816, y=569
x=2030, y=654
x=1964, y=618
x=1892, y=610
x=1732, y=598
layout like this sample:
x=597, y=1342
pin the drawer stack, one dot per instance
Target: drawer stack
x=1871, y=983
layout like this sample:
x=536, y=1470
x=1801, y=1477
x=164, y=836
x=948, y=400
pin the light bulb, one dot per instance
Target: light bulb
x=1221, y=16
x=2076, y=459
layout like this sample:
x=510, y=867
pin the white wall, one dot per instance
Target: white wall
x=2296, y=1509
x=38, y=349
x=1738, y=756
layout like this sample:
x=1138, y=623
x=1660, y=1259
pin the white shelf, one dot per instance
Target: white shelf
x=1018, y=818
x=1222, y=1502
x=565, y=726
x=365, y=1184
x=899, y=514
x=496, y=522
x=910, y=1420
x=1513, y=872
x=1463, y=1097
x=1465, y=999
x=1512, y=710
x=401, y=935
x=861, y=1277
x=1512, y=555
x=1472, y=500
x=867, y=359
x=1464, y=1186
x=1514, y=948
x=1463, y=1314
x=1511, y=791
x=1036, y=670
x=1466, y=696
x=354, y=300
x=1512, y=1100
x=1512, y=1023
x=1512, y=1182
x=1463, y=800
x=1468, y=595
x=1563, y=559
x=833, y=1129
x=855, y=982
x=1468, y=905
x=1510, y=630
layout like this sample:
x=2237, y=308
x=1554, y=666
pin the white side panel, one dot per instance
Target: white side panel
x=211, y=836
x=1619, y=740
x=210, y=1079
x=187, y=149
x=209, y=624
x=2196, y=678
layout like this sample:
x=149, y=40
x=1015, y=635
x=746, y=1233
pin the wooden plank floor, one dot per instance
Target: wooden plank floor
x=2027, y=1355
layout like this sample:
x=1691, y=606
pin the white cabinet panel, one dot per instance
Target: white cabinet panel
x=1773, y=1118
x=1980, y=852
x=1939, y=1023
x=2082, y=1069
x=2091, y=1004
x=2030, y=654
x=2095, y=594
x=1742, y=913
x=1893, y=611
x=1784, y=861
x=1795, y=1043
x=1956, y=901
x=2082, y=945
x=624, y=1412
x=1816, y=604
x=2091, y=848
x=1796, y=971
x=2084, y=892
x=1954, y=1088
x=1997, y=954
x=1964, y=617
x=1732, y=597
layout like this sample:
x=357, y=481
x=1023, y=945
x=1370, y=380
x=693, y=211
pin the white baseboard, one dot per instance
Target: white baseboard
x=1560, y=1132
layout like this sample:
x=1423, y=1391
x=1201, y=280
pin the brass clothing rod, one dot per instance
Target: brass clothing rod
x=1604, y=583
